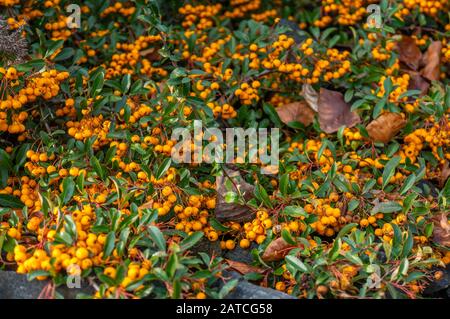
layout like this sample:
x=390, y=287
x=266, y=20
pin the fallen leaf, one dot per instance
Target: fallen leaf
x=441, y=231
x=147, y=205
x=243, y=268
x=277, y=250
x=432, y=61
x=445, y=173
x=409, y=52
x=232, y=181
x=334, y=112
x=311, y=96
x=417, y=82
x=297, y=111
x=385, y=127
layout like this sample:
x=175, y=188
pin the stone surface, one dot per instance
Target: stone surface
x=15, y=286
x=441, y=285
x=246, y=290
x=241, y=255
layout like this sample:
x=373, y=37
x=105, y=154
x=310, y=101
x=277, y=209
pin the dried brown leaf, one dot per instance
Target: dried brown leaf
x=417, y=82
x=409, y=52
x=243, y=268
x=232, y=211
x=334, y=112
x=147, y=205
x=445, y=173
x=385, y=127
x=311, y=96
x=297, y=111
x=441, y=231
x=277, y=250
x=432, y=61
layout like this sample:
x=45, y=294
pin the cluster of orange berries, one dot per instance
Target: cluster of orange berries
x=242, y=7
x=280, y=100
x=27, y=191
x=125, y=63
x=401, y=86
x=118, y=7
x=431, y=8
x=437, y=136
x=9, y=3
x=135, y=271
x=225, y=111
x=383, y=53
x=68, y=109
x=348, y=12
x=256, y=229
x=446, y=51
x=265, y=16
x=38, y=159
x=194, y=216
x=59, y=28
x=89, y=126
x=335, y=60
x=248, y=93
x=329, y=218
x=45, y=85
x=352, y=134
x=200, y=16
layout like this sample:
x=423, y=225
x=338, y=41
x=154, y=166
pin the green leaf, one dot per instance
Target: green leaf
x=165, y=165
x=284, y=184
x=172, y=265
x=353, y=258
x=288, y=237
x=346, y=229
x=191, y=240
x=97, y=167
x=334, y=252
x=109, y=244
x=389, y=170
x=386, y=208
x=217, y=225
x=158, y=238
x=407, y=184
x=228, y=287
x=261, y=194
x=296, y=263
x=68, y=190
x=294, y=211
x=10, y=201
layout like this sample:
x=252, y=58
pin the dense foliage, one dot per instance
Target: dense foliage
x=357, y=208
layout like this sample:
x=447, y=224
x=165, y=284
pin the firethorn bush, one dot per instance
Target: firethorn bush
x=358, y=206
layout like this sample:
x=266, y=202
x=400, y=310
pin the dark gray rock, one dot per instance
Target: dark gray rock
x=246, y=290
x=241, y=255
x=208, y=247
x=16, y=286
x=439, y=285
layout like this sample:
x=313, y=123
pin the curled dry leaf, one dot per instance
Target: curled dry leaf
x=311, y=96
x=277, y=250
x=385, y=127
x=409, y=52
x=441, y=231
x=232, y=181
x=432, y=61
x=417, y=82
x=334, y=112
x=297, y=111
x=243, y=268
x=445, y=173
